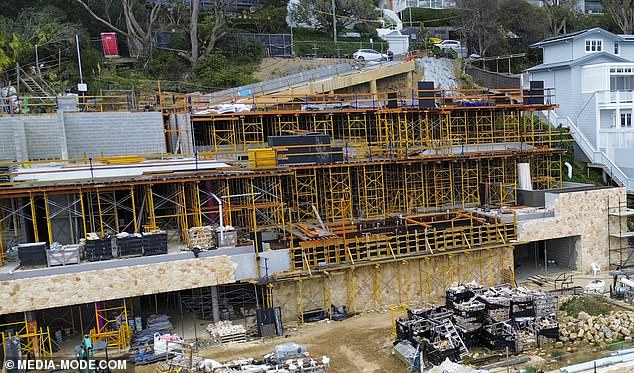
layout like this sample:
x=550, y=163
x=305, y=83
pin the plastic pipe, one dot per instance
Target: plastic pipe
x=569, y=167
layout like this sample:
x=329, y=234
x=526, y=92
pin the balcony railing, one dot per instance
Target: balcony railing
x=615, y=97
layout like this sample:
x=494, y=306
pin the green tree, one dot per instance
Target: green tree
x=558, y=14
x=524, y=20
x=216, y=72
x=622, y=11
x=479, y=19
x=270, y=19
x=13, y=48
x=318, y=13
x=139, y=19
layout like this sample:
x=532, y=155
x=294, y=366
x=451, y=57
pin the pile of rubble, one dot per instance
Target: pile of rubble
x=496, y=317
x=226, y=331
x=584, y=328
x=287, y=358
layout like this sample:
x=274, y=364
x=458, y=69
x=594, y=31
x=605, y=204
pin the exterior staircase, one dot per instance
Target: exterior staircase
x=597, y=158
x=37, y=87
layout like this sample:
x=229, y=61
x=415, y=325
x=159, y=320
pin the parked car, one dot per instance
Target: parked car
x=369, y=55
x=451, y=44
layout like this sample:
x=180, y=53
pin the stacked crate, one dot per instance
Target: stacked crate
x=155, y=243
x=98, y=249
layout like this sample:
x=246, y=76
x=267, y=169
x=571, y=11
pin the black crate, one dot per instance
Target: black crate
x=130, y=245
x=32, y=254
x=154, y=244
x=470, y=339
x=523, y=309
x=99, y=249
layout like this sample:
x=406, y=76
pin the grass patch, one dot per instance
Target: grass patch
x=591, y=305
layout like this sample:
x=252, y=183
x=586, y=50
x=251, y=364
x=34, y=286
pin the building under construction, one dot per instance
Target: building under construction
x=299, y=202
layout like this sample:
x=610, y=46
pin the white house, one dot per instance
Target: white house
x=592, y=72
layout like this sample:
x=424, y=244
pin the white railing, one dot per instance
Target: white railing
x=609, y=97
x=595, y=156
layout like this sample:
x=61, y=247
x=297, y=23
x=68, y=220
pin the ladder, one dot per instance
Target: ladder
x=452, y=334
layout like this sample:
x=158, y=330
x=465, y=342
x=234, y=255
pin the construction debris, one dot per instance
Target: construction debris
x=226, y=331
x=497, y=317
x=287, y=358
x=600, y=329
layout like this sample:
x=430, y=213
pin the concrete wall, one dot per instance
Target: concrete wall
x=96, y=134
x=583, y=214
x=29, y=294
x=43, y=136
x=75, y=134
x=13, y=141
x=374, y=287
x=492, y=79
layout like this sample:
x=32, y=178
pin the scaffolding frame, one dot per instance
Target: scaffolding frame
x=34, y=342
x=620, y=234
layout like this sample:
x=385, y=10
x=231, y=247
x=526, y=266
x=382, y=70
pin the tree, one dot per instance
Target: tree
x=213, y=29
x=524, y=20
x=318, y=13
x=622, y=11
x=480, y=21
x=557, y=14
x=139, y=23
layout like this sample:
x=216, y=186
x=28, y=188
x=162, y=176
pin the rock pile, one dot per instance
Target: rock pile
x=618, y=325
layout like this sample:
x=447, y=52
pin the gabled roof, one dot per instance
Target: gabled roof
x=580, y=61
x=577, y=34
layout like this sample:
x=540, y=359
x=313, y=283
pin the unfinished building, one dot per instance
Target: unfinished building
x=357, y=200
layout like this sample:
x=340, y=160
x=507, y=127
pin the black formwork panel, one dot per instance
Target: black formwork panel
x=306, y=149
x=98, y=249
x=32, y=254
x=154, y=243
x=130, y=246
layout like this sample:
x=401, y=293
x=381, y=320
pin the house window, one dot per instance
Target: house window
x=626, y=119
x=594, y=45
x=616, y=48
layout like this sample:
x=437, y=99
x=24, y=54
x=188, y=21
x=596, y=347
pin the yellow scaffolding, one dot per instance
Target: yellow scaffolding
x=112, y=327
x=35, y=342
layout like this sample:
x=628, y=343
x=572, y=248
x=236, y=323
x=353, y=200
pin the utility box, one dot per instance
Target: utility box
x=109, y=44
x=67, y=103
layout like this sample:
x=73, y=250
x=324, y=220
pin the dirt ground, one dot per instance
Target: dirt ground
x=361, y=343
x=271, y=68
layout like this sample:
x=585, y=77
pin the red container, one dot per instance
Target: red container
x=109, y=44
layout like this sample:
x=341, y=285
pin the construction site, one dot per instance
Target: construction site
x=122, y=223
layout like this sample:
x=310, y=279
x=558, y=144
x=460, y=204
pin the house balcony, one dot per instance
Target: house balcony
x=615, y=99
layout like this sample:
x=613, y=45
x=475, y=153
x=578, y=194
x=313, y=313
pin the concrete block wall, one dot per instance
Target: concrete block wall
x=111, y=134
x=76, y=134
x=42, y=136
x=8, y=150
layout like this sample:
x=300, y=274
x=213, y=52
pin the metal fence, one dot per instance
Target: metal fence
x=275, y=45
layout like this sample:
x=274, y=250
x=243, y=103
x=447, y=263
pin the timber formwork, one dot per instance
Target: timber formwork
x=396, y=164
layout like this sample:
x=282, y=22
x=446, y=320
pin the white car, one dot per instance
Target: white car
x=369, y=55
x=449, y=44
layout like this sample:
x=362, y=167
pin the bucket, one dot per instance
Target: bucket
x=138, y=323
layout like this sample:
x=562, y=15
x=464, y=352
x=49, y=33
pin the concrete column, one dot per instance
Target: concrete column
x=62, y=135
x=215, y=308
x=410, y=80
x=373, y=89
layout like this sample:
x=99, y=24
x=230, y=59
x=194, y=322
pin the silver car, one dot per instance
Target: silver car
x=369, y=55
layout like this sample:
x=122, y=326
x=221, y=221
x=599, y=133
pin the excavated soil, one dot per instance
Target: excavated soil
x=361, y=343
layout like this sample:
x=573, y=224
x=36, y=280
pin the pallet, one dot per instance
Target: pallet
x=236, y=337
